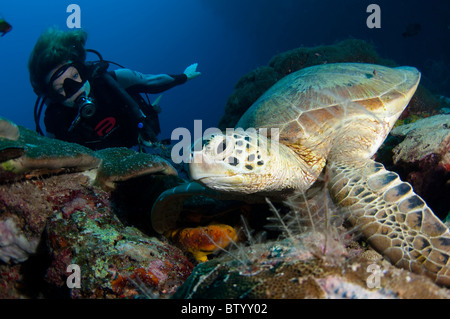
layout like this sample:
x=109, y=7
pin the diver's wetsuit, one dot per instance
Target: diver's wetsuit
x=112, y=124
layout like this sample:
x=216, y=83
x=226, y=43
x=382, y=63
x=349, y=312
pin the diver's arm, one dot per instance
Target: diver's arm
x=148, y=83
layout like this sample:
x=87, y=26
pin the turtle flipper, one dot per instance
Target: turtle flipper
x=395, y=220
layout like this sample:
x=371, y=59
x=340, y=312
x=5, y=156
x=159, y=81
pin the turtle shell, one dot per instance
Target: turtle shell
x=308, y=106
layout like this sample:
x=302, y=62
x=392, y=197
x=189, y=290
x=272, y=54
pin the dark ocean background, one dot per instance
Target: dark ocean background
x=227, y=38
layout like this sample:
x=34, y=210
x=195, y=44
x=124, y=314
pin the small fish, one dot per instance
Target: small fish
x=412, y=29
x=5, y=27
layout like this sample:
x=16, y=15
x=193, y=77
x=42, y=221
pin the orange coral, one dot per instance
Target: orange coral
x=205, y=240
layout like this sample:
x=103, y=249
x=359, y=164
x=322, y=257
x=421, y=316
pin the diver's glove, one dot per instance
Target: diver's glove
x=191, y=71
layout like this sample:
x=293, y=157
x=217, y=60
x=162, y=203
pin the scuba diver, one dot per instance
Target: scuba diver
x=86, y=103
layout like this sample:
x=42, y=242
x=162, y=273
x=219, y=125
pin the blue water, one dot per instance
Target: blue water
x=228, y=38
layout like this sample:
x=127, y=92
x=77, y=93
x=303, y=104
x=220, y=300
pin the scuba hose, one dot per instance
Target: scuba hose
x=38, y=106
x=126, y=98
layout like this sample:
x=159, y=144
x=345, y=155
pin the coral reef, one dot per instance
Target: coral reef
x=74, y=223
x=30, y=155
x=116, y=261
x=58, y=208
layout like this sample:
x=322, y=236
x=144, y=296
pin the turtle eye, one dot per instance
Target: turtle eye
x=221, y=147
x=205, y=143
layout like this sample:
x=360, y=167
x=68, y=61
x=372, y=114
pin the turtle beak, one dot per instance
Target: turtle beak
x=202, y=166
x=204, y=161
x=212, y=173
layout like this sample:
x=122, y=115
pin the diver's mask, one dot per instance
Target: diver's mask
x=70, y=86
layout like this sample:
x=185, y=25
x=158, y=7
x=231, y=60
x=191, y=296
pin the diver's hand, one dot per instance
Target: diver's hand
x=191, y=71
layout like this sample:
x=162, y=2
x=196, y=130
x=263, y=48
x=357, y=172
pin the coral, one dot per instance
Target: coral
x=32, y=155
x=8, y=130
x=116, y=261
x=121, y=164
x=204, y=240
x=14, y=246
x=10, y=279
x=35, y=155
x=75, y=223
x=53, y=215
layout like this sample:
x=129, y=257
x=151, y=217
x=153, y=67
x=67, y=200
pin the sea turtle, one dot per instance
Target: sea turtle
x=333, y=115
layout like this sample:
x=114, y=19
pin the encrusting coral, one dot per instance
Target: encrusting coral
x=57, y=210
x=30, y=155
x=122, y=164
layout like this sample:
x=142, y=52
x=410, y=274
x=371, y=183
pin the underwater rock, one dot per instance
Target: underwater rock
x=290, y=269
x=423, y=138
x=421, y=155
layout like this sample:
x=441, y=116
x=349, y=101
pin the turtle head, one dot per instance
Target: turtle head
x=237, y=161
